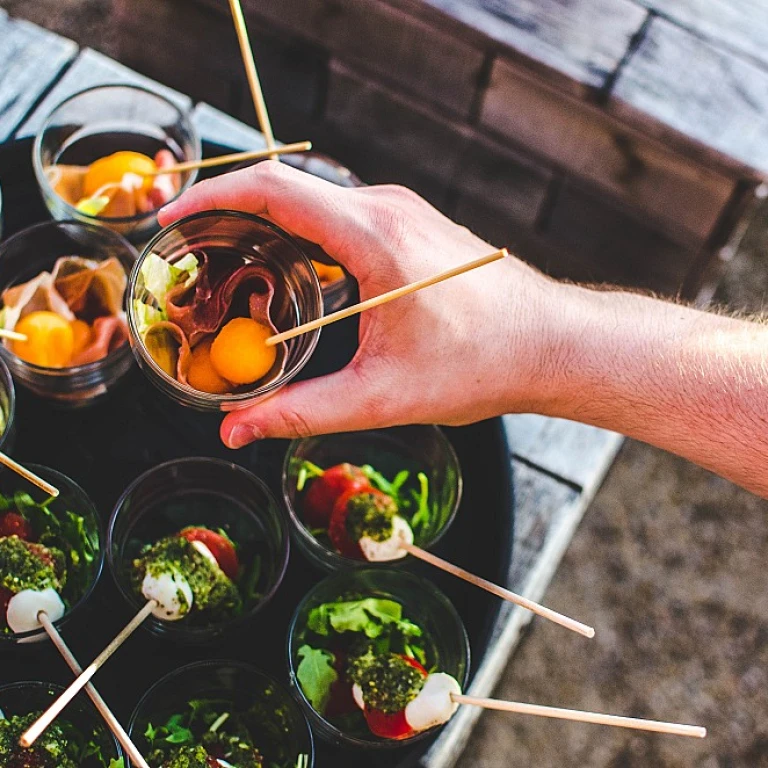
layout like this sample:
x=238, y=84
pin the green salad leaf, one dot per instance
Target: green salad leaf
x=160, y=276
x=370, y=616
x=316, y=675
x=119, y=763
x=93, y=206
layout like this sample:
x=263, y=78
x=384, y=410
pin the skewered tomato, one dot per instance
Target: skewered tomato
x=12, y=523
x=388, y=726
x=326, y=489
x=337, y=528
x=220, y=547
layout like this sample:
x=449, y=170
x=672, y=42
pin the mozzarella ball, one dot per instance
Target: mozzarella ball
x=391, y=548
x=357, y=695
x=205, y=552
x=171, y=592
x=433, y=705
x=24, y=607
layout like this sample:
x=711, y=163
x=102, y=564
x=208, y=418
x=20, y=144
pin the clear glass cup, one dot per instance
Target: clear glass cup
x=33, y=696
x=74, y=499
x=416, y=448
x=423, y=603
x=201, y=491
x=274, y=721
x=7, y=409
x=104, y=119
x=297, y=294
x=36, y=249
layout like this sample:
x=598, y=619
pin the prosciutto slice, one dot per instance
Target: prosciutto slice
x=91, y=289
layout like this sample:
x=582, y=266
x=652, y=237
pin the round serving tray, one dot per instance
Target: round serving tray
x=106, y=446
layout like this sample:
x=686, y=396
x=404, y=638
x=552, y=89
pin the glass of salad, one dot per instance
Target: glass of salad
x=76, y=739
x=62, y=285
x=95, y=152
x=221, y=714
x=354, y=497
x=206, y=539
x=51, y=553
x=7, y=409
x=374, y=656
x=204, y=297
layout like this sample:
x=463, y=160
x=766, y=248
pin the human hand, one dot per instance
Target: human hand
x=467, y=349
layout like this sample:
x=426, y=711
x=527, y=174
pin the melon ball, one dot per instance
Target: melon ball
x=112, y=168
x=81, y=333
x=239, y=353
x=50, y=340
x=202, y=376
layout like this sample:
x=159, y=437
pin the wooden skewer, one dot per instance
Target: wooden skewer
x=253, y=76
x=30, y=736
x=114, y=724
x=384, y=298
x=31, y=477
x=12, y=335
x=495, y=589
x=676, y=729
x=236, y=157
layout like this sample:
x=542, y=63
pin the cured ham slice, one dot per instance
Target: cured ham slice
x=107, y=335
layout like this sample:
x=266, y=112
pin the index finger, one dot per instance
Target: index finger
x=324, y=213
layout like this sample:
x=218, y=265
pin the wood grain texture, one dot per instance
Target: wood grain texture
x=585, y=142
x=679, y=84
x=30, y=60
x=93, y=68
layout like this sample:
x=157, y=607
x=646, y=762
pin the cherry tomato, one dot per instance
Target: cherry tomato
x=220, y=546
x=326, y=489
x=388, y=726
x=337, y=528
x=340, y=702
x=13, y=523
x=415, y=664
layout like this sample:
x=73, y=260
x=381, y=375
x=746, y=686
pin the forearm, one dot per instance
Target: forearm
x=691, y=382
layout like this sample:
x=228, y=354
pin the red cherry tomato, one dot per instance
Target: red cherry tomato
x=326, y=489
x=220, y=546
x=13, y=523
x=388, y=726
x=337, y=528
x=415, y=664
x=340, y=702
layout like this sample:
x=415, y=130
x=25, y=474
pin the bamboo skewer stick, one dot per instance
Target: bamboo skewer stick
x=236, y=157
x=12, y=335
x=252, y=75
x=495, y=589
x=29, y=476
x=579, y=716
x=384, y=298
x=114, y=724
x=34, y=731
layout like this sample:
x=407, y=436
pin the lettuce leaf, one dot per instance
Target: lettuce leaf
x=316, y=675
x=370, y=616
x=160, y=276
x=146, y=316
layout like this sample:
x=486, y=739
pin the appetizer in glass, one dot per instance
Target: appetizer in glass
x=97, y=155
x=50, y=553
x=204, y=539
x=7, y=409
x=218, y=714
x=63, y=287
x=375, y=656
x=78, y=739
x=357, y=498
x=206, y=294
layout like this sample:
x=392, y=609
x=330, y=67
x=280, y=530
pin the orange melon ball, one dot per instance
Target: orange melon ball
x=328, y=273
x=202, y=376
x=81, y=333
x=238, y=352
x=50, y=340
x=112, y=168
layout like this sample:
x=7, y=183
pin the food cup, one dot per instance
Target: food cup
x=7, y=409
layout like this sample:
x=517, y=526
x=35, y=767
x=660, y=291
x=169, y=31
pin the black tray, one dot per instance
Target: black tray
x=106, y=446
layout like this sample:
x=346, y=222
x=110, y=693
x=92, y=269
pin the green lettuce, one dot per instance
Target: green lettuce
x=93, y=206
x=316, y=675
x=147, y=316
x=160, y=276
x=370, y=616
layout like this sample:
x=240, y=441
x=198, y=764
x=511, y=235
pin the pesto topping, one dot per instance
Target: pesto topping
x=213, y=591
x=54, y=749
x=187, y=757
x=24, y=565
x=370, y=514
x=388, y=682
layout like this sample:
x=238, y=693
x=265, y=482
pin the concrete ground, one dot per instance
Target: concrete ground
x=669, y=564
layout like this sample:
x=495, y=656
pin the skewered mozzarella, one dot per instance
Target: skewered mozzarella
x=205, y=552
x=24, y=607
x=433, y=704
x=172, y=593
x=357, y=695
x=391, y=548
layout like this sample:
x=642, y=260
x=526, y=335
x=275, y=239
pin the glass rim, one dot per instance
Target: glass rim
x=417, y=582
x=298, y=527
x=57, y=477
x=281, y=560
x=241, y=399
x=85, y=368
x=6, y=381
x=42, y=179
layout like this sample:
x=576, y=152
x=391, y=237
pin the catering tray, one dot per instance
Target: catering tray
x=106, y=446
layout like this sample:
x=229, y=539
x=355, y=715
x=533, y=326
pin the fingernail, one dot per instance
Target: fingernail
x=242, y=434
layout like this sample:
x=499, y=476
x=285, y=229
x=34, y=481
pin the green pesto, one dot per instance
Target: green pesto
x=183, y=757
x=52, y=750
x=387, y=681
x=213, y=591
x=370, y=514
x=30, y=566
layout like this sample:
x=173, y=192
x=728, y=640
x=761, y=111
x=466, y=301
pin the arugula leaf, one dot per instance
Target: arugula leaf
x=304, y=470
x=119, y=763
x=369, y=616
x=421, y=518
x=316, y=675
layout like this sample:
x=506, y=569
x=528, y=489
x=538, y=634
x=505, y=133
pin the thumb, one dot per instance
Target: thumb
x=334, y=403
